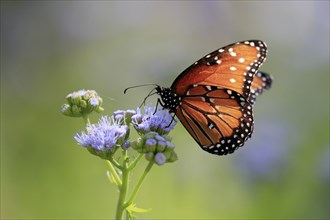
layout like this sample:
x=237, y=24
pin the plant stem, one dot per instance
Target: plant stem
x=86, y=119
x=124, y=187
x=135, y=161
x=138, y=185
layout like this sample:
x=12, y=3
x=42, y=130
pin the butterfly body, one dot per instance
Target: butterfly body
x=213, y=98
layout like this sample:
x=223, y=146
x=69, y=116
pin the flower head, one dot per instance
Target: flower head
x=157, y=148
x=160, y=121
x=103, y=138
x=82, y=102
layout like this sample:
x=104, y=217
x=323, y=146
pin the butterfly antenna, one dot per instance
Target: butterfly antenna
x=131, y=87
x=151, y=93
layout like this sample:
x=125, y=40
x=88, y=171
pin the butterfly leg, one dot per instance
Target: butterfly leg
x=160, y=103
x=173, y=119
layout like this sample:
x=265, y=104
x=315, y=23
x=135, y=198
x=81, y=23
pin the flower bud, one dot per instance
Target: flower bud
x=74, y=98
x=161, y=146
x=99, y=109
x=138, y=144
x=172, y=157
x=160, y=158
x=169, y=145
x=156, y=146
x=93, y=102
x=76, y=111
x=150, y=145
x=66, y=110
x=159, y=138
x=149, y=156
x=82, y=104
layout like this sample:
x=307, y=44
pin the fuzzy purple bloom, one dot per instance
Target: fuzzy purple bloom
x=104, y=135
x=160, y=121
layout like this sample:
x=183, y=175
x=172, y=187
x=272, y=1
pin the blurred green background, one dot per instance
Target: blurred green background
x=51, y=48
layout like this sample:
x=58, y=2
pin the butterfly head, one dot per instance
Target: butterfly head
x=170, y=100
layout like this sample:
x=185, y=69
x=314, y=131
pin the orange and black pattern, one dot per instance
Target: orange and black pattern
x=213, y=98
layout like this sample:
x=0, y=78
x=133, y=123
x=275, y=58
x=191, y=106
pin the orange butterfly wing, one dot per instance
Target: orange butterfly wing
x=213, y=97
x=220, y=120
x=231, y=67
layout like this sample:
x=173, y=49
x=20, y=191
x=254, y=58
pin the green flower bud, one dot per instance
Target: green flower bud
x=74, y=99
x=169, y=145
x=83, y=104
x=172, y=157
x=66, y=110
x=99, y=109
x=150, y=145
x=76, y=111
x=149, y=156
x=137, y=145
x=161, y=146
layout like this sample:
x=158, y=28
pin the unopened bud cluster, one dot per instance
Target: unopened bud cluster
x=81, y=103
x=157, y=148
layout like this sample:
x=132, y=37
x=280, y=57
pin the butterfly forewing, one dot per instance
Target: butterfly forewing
x=220, y=120
x=231, y=67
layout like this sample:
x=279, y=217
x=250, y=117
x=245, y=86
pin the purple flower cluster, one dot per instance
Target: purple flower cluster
x=157, y=148
x=160, y=121
x=104, y=137
x=110, y=133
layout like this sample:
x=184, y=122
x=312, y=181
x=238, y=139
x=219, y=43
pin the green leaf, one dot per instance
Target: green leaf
x=131, y=209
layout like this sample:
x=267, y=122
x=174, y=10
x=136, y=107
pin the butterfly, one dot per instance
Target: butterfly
x=214, y=97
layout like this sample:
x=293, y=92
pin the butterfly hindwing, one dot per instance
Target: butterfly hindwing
x=220, y=120
x=261, y=82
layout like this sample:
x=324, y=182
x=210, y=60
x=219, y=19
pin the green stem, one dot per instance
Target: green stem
x=86, y=119
x=136, y=160
x=138, y=185
x=124, y=187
